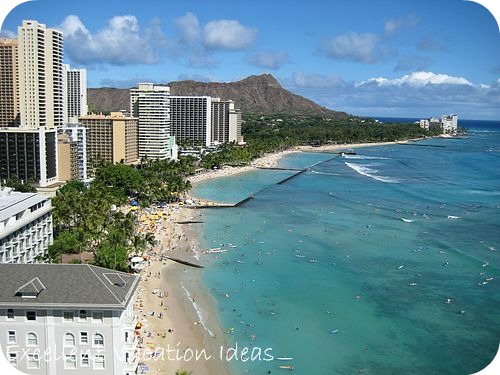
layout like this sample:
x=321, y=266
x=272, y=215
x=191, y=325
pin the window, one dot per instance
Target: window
x=84, y=337
x=99, y=362
x=11, y=337
x=69, y=339
x=10, y=314
x=85, y=362
x=31, y=315
x=13, y=359
x=97, y=316
x=70, y=361
x=83, y=315
x=98, y=340
x=68, y=316
x=33, y=361
x=32, y=339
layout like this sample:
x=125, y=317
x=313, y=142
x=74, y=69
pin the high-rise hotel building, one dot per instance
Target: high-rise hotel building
x=226, y=122
x=204, y=121
x=41, y=81
x=190, y=120
x=151, y=105
x=9, y=83
x=29, y=150
x=75, y=99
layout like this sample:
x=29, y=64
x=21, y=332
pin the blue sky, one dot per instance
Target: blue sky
x=408, y=58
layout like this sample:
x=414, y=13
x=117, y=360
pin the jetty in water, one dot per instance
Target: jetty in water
x=185, y=262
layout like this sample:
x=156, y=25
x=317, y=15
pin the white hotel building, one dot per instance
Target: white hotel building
x=151, y=105
x=68, y=318
x=25, y=227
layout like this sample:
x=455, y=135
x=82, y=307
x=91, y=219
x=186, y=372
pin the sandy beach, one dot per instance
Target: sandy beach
x=178, y=331
x=272, y=160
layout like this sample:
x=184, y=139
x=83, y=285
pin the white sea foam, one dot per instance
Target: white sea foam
x=363, y=157
x=198, y=312
x=369, y=172
x=407, y=220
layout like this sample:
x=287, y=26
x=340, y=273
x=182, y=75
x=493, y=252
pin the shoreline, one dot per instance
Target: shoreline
x=183, y=327
x=272, y=160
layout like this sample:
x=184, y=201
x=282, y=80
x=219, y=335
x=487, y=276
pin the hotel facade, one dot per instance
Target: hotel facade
x=204, y=121
x=41, y=81
x=25, y=226
x=151, y=105
x=75, y=100
x=29, y=154
x=68, y=318
x=112, y=139
x=9, y=83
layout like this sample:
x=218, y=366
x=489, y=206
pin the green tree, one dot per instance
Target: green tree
x=112, y=256
x=15, y=183
x=121, y=180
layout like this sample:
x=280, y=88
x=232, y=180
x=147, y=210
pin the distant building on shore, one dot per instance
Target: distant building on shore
x=25, y=226
x=203, y=121
x=61, y=318
x=226, y=122
x=190, y=120
x=448, y=124
x=111, y=139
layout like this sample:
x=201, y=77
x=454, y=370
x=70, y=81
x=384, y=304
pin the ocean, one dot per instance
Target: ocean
x=383, y=262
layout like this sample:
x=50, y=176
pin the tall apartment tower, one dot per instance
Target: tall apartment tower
x=76, y=93
x=151, y=105
x=190, y=120
x=9, y=83
x=41, y=81
x=226, y=122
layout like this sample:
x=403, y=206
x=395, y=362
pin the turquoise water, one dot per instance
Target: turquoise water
x=329, y=251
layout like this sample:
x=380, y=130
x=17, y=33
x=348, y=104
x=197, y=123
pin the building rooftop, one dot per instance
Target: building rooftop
x=13, y=202
x=111, y=116
x=77, y=286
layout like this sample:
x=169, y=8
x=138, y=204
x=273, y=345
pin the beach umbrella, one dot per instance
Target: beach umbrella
x=137, y=259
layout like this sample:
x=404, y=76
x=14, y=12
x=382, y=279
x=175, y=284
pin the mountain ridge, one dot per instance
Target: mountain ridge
x=257, y=93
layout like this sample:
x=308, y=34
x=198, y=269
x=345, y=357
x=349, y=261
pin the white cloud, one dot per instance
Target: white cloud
x=391, y=26
x=228, y=35
x=418, y=79
x=121, y=42
x=352, y=46
x=415, y=95
x=268, y=59
x=189, y=27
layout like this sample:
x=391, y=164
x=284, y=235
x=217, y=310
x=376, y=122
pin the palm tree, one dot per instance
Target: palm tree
x=183, y=372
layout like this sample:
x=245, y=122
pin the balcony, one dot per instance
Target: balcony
x=131, y=364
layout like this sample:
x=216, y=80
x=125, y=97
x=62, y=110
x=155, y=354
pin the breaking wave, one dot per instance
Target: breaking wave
x=363, y=157
x=369, y=172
